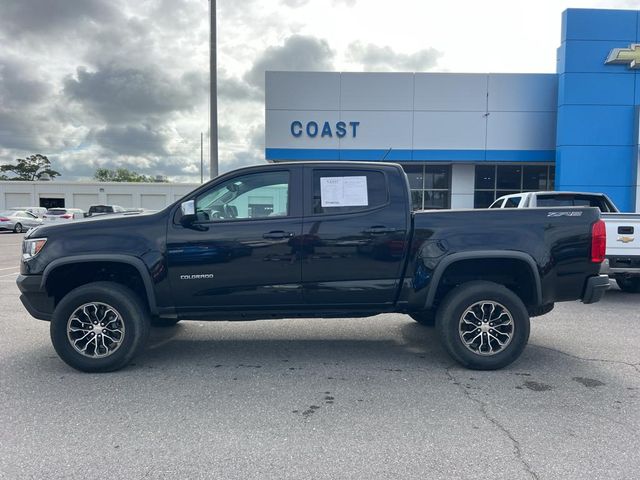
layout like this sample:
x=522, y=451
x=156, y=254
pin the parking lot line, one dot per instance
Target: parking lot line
x=9, y=268
x=9, y=274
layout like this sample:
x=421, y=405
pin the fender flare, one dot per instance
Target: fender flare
x=113, y=258
x=482, y=254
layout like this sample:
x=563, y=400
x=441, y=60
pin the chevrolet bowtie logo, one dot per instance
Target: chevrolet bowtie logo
x=626, y=56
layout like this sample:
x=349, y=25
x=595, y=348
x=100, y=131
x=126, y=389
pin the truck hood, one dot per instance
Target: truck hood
x=108, y=222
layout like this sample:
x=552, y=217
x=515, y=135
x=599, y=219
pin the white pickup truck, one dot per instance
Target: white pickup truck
x=623, y=229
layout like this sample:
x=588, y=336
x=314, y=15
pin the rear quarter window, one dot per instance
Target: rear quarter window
x=512, y=202
x=345, y=191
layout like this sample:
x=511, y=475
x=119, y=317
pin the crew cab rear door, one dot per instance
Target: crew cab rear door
x=355, y=235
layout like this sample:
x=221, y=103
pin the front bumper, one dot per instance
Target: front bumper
x=595, y=288
x=34, y=297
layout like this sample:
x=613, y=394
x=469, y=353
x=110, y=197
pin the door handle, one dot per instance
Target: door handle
x=378, y=229
x=277, y=235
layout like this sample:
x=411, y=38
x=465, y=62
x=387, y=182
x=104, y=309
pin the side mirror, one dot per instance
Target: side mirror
x=188, y=210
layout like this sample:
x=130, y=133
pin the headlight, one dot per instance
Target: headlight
x=31, y=247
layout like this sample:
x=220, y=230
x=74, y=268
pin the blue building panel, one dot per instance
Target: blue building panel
x=599, y=166
x=596, y=133
x=588, y=56
x=589, y=24
x=596, y=89
x=637, y=90
x=595, y=125
x=420, y=155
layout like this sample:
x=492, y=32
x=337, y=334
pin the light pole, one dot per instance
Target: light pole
x=213, y=93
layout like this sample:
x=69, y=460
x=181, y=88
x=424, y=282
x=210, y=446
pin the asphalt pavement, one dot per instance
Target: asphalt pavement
x=369, y=398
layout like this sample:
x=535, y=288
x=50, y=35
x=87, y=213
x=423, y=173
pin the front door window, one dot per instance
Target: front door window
x=257, y=195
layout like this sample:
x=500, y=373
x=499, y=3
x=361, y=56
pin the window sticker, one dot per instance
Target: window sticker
x=343, y=192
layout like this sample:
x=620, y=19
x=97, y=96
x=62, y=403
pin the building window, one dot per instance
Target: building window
x=430, y=186
x=494, y=181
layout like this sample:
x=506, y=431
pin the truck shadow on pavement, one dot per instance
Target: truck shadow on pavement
x=178, y=345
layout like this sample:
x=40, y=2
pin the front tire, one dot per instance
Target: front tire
x=18, y=228
x=483, y=325
x=99, y=327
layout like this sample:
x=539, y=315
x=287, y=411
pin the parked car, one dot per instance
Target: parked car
x=623, y=229
x=57, y=215
x=18, y=221
x=105, y=209
x=37, y=211
x=347, y=244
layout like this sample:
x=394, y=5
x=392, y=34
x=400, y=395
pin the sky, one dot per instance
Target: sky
x=117, y=83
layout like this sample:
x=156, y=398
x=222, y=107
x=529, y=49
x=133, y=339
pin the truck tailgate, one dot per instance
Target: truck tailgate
x=623, y=233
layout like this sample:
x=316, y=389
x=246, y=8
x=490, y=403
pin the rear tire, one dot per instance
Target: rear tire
x=628, y=284
x=17, y=228
x=426, y=318
x=483, y=325
x=99, y=327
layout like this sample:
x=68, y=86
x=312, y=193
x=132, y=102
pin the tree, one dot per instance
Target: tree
x=29, y=169
x=122, y=175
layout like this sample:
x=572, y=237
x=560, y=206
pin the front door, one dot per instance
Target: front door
x=239, y=253
x=354, y=236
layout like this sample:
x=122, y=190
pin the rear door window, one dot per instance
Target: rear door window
x=346, y=191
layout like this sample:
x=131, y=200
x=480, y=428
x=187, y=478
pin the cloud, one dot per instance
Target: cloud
x=43, y=18
x=20, y=84
x=137, y=140
x=243, y=158
x=17, y=132
x=226, y=133
x=302, y=3
x=298, y=53
x=235, y=89
x=294, y=3
x=374, y=57
x=124, y=94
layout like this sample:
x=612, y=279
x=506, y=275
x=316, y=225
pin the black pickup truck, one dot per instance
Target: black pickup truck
x=309, y=240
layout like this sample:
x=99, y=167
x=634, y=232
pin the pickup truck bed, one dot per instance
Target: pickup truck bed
x=623, y=229
x=309, y=239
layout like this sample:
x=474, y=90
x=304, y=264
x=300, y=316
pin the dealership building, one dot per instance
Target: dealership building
x=465, y=139
x=60, y=194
